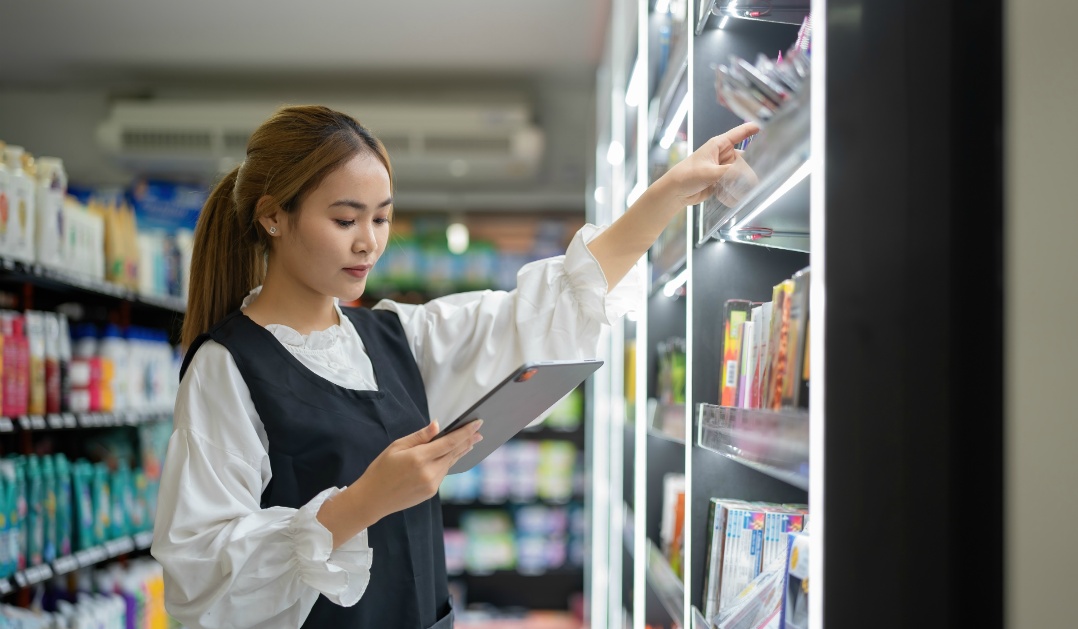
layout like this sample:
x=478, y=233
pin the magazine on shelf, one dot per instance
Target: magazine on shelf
x=795, y=596
x=744, y=379
x=793, y=385
x=771, y=391
x=761, y=329
x=735, y=313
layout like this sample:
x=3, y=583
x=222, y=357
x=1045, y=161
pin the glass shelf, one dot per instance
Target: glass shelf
x=767, y=203
x=773, y=442
x=667, y=586
x=698, y=620
x=775, y=11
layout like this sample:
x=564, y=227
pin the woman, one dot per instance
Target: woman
x=300, y=482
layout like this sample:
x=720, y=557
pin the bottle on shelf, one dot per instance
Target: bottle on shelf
x=49, y=233
x=18, y=224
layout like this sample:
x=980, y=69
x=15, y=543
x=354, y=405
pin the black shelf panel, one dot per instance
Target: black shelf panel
x=52, y=279
x=75, y=421
x=81, y=559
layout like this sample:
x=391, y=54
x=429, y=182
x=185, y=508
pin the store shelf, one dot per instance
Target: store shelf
x=45, y=277
x=666, y=585
x=82, y=559
x=73, y=421
x=770, y=205
x=774, y=11
x=773, y=442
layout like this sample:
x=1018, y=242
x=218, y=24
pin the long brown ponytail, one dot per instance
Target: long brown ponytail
x=287, y=157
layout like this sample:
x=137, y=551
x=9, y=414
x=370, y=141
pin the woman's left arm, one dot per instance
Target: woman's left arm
x=689, y=182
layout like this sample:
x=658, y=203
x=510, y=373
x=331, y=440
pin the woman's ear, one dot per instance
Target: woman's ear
x=269, y=215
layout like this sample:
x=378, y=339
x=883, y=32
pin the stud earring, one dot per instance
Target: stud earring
x=273, y=230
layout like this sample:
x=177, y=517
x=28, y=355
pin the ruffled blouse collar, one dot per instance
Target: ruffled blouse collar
x=316, y=340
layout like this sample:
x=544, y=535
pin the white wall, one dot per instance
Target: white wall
x=1041, y=319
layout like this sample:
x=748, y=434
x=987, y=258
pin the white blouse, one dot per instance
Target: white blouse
x=230, y=563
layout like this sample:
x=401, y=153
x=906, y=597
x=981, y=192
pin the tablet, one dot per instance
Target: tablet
x=517, y=401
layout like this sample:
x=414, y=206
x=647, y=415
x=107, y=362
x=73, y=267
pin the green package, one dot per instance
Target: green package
x=102, y=503
x=48, y=482
x=64, y=515
x=84, y=503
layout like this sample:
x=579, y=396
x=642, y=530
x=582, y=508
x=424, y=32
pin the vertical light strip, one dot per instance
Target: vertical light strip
x=596, y=502
x=818, y=313
x=622, y=44
x=640, y=462
x=690, y=288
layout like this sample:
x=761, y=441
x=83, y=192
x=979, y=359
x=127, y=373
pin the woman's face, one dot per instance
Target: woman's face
x=339, y=230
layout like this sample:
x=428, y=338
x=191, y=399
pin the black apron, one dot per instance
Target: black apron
x=322, y=435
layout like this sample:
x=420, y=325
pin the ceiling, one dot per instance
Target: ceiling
x=117, y=42
x=65, y=61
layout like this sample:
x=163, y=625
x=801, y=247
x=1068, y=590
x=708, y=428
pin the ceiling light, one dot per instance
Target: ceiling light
x=725, y=19
x=457, y=236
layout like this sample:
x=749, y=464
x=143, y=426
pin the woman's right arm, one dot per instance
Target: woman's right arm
x=227, y=561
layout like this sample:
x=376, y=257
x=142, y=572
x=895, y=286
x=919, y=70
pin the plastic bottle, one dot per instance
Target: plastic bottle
x=20, y=205
x=114, y=348
x=5, y=200
x=135, y=379
x=53, y=393
x=64, y=364
x=85, y=335
x=35, y=336
x=51, y=189
x=15, y=359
